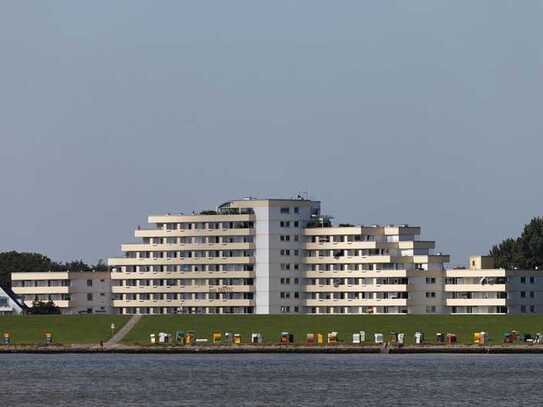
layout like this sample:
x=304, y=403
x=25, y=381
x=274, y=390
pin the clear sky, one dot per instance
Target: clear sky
x=419, y=112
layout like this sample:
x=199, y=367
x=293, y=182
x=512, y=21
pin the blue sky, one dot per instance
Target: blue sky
x=419, y=112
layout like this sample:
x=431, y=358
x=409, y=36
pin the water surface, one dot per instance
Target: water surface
x=270, y=380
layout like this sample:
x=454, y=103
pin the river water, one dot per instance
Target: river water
x=270, y=380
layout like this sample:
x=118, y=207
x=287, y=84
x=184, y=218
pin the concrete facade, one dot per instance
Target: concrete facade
x=282, y=256
x=275, y=256
x=73, y=292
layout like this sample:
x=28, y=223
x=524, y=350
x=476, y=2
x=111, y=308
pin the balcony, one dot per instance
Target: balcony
x=474, y=302
x=184, y=303
x=182, y=274
x=356, y=288
x=350, y=259
x=475, y=288
x=194, y=232
x=375, y=302
x=202, y=217
x=355, y=273
x=127, y=261
x=41, y=290
x=187, y=246
x=183, y=289
x=458, y=273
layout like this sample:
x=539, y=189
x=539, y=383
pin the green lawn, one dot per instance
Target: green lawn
x=66, y=329
x=270, y=326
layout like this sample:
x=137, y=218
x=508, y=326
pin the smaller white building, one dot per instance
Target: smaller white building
x=86, y=292
x=9, y=305
x=483, y=289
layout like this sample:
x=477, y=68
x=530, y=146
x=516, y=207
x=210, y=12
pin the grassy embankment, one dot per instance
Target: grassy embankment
x=66, y=329
x=270, y=326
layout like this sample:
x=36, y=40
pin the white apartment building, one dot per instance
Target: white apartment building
x=73, y=292
x=282, y=256
x=483, y=289
x=273, y=256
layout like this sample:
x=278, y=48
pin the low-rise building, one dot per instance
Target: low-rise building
x=483, y=289
x=72, y=292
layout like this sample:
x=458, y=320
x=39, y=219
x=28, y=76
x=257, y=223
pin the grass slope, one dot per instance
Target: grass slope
x=270, y=326
x=66, y=329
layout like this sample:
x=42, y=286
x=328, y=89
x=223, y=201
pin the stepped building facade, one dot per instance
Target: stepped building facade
x=275, y=256
x=283, y=256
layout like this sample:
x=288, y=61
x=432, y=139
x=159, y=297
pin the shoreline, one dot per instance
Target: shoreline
x=247, y=349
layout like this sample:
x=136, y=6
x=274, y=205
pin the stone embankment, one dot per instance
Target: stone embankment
x=238, y=349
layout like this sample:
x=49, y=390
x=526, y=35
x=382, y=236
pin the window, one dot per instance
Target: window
x=296, y=210
x=523, y=280
x=532, y=308
x=430, y=280
x=532, y=280
x=89, y=296
x=89, y=283
x=430, y=294
x=296, y=294
x=296, y=224
x=523, y=294
x=285, y=210
x=523, y=308
x=532, y=294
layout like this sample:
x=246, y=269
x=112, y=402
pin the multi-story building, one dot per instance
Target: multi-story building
x=233, y=260
x=371, y=269
x=483, y=289
x=272, y=256
x=73, y=292
x=282, y=256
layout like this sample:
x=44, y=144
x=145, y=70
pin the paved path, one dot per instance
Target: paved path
x=115, y=339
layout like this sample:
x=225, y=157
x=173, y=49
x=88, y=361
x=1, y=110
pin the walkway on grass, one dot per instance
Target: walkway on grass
x=115, y=339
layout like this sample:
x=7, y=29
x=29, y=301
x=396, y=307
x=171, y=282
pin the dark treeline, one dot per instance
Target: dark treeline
x=523, y=252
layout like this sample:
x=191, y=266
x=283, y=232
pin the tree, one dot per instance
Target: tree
x=13, y=261
x=44, y=308
x=101, y=266
x=525, y=252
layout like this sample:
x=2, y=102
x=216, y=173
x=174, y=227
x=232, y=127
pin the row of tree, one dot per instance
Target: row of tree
x=13, y=261
x=523, y=252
